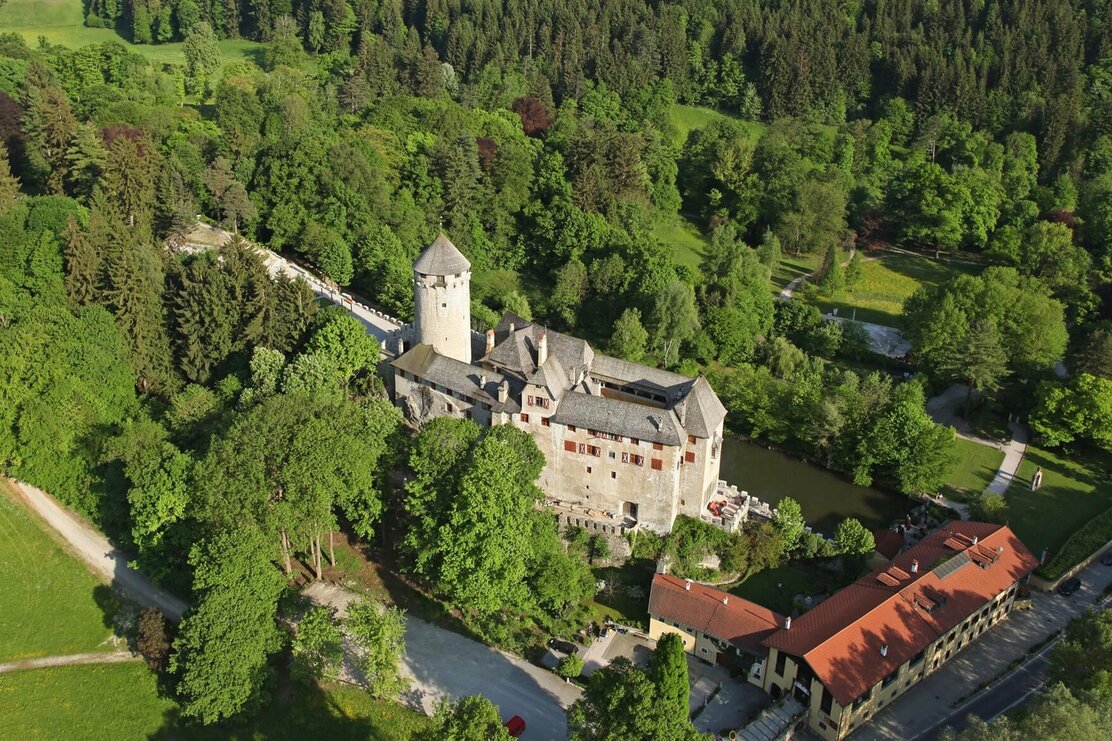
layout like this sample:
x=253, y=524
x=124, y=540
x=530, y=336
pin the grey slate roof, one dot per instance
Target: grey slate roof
x=429, y=365
x=618, y=417
x=551, y=376
x=517, y=351
x=607, y=368
x=441, y=258
x=701, y=411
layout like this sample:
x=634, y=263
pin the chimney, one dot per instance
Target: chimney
x=725, y=600
x=687, y=584
x=503, y=391
x=482, y=380
x=884, y=650
x=490, y=341
x=401, y=345
x=788, y=623
x=975, y=539
x=511, y=327
x=915, y=566
x=542, y=348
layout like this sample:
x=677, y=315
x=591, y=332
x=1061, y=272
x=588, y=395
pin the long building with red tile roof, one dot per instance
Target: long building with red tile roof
x=711, y=622
x=866, y=644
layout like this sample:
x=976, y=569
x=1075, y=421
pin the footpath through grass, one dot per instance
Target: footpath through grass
x=62, y=22
x=974, y=470
x=1074, y=492
x=886, y=283
x=50, y=604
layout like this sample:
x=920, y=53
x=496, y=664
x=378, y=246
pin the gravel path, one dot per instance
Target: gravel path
x=96, y=550
x=113, y=657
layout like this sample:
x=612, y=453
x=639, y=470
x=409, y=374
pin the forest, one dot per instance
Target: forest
x=172, y=398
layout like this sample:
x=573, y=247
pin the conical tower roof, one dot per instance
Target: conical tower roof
x=441, y=258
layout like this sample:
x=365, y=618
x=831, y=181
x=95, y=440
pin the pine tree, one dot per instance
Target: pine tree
x=86, y=159
x=51, y=125
x=9, y=183
x=833, y=281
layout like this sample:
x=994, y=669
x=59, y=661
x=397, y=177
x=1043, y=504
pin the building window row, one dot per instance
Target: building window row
x=637, y=460
x=539, y=401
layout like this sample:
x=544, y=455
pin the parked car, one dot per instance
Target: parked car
x=1069, y=586
x=1106, y=559
x=515, y=726
x=566, y=647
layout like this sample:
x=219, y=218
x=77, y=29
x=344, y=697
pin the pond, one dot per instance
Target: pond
x=825, y=497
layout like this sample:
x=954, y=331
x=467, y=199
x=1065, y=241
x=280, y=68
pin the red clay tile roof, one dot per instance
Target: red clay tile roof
x=739, y=621
x=888, y=542
x=904, y=608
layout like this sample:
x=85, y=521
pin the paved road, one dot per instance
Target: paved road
x=96, y=550
x=446, y=665
x=110, y=657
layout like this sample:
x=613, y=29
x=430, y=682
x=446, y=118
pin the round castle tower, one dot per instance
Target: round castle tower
x=442, y=299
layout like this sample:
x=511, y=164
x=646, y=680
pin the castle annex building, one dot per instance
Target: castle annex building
x=864, y=646
x=626, y=445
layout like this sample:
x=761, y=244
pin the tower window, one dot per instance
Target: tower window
x=444, y=306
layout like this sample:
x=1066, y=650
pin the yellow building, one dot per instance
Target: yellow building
x=867, y=644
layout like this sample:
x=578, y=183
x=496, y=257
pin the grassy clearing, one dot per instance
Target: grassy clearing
x=775, y=588
x=626, y=595
x=684, y=239
x=975, y=468
x=886, y=283
x=122, y=701
x=686, y=118
x=791, y=267
x=1074, y=491
x=50, y=604
x=62, y=22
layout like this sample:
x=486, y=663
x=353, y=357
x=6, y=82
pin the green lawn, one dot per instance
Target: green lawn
x=62, y=22
x=688, y=117
x=684, y=239
x=775, y=588
x=48, y=599
x=1074, y=491
x=975, y=468
x=791, y=267
x=885, y=285
x=122, y=701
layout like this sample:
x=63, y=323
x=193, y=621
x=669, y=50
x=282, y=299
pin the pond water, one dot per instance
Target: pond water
x=825, y=497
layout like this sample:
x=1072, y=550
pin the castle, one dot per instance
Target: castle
x=627, y=446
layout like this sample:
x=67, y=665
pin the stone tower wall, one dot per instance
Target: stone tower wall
x=442, y=307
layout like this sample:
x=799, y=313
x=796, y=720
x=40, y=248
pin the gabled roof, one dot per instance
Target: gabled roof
x=926, y=591
x=517, y=351
x=619, y=417
x=716, y=613
x=551, y=376
x=471, y=381
x=701, y=411
x=441, y=258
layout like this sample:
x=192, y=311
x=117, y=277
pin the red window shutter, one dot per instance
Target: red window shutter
x=524, y=417
x=658, y=465
x=625, y=457
x=691, y=439
x=658, y=446
x=689, y=457
x=569, y=445
x=530, y=401
x=582, y=447
x=544, y=421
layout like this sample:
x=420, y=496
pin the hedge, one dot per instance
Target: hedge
x=1082, y=544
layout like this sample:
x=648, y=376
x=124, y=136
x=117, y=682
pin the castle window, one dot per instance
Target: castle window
x=635, y=441
x=689, y=457
x=658, y=465
x=545, y=422
x=594, y=450
x=583, y=448
x=658, y=446
x=637, y=460
x=625, y=457
x=571, y=428
x=569, y=446
x=691, y=439
x=524, y=417
x=530, y=401
x=588, y=469
x=613, y=474
x=613, y=455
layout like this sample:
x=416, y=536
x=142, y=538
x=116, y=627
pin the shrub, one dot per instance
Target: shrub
x=1095, y=533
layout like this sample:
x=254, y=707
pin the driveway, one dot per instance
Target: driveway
x=946, y=696
x=447, y=666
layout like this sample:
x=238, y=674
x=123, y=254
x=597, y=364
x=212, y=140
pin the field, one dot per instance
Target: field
x=791, y=267
x=886, y=283
x=62, y=22
x=1074, y=491
x=50, y=604
x=684, y=239
x=122, y=701
x=686, y=118
x=975, y=468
